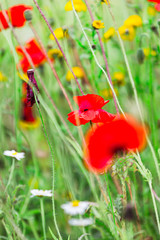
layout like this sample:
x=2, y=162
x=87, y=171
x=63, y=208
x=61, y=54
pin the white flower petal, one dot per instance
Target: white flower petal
x=81, y=222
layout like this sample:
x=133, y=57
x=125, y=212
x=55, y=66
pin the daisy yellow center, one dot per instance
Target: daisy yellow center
x=15, y=153
x=75, y=203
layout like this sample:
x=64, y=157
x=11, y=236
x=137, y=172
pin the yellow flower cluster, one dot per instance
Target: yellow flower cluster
x=53, y=53
x=78, y=5
x=59, y=33
x=2, y=77
x=97, y=24
x=77, y=71
x=148, y=51
x=127, y=30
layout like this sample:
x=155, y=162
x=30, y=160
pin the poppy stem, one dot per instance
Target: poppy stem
x=103, y=53
x=51, y=65
x=58, y=44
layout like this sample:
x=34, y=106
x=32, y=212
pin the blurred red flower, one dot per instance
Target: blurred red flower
x=90, y=110
x=34, y=51
x=103, y=141
x=15, y=15
x=27, y=112
x=155, y=1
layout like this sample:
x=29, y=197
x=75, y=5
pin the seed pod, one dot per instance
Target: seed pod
x=140, y=56
x=28, y=15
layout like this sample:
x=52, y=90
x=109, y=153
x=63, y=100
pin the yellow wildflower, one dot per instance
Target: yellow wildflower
x=151, y=11
x=29, y=125
x=2, y=77
x=118, y=78
x=23, y=77
x=107, y=93
x=59, y=33
x=77, y=71
x=110, y=33
x=127, y=33
x=148, y=52
x=133, y=21
x=104, y=1
x=53, y=53
x=97, y=24
x=78, y=5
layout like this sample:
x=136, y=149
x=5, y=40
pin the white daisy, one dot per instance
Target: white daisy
x=41, y=193
x=75, y=207
x=81, y=222
x=14, y=154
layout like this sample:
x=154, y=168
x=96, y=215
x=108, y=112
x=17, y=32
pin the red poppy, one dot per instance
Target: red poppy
x=34, y=51
x=104, y=141
x=90, y=110
x=15, y=15
x=154, y=1
x=157, y=7
x=27, y=112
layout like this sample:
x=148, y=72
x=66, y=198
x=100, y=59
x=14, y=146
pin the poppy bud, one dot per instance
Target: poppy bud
x=155, y=30
x=140, y=56
x=28, y=15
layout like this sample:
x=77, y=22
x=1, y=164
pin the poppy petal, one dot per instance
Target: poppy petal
x=103, y=116
x=75, y=118
x=90, y=101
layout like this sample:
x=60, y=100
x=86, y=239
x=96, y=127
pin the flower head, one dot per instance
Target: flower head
x=127, y=32
x=78, y=5
x=81, y=222
x=2, y=77
x=41, y=193
x=108, y=139
x=53, y=53
x=28, y=120
x=107, y=93
x=30, y=93
x=90, y=110
x=14, y=154
x=75, y=207
x=148, y=51
x=59, y=33
x=151, y=11
x=97, y=24
x=15, y=15
x=79, y=73
x=34, y=51
x=109, y=34
x=118, y=78
x=133, y=21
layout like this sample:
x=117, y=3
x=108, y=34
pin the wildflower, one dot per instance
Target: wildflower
x=118, y=78
x=151, y=11
x=59, y=33
x=109, y=34
x=14, y=154
x=41, y=193
x=103, y=142
x=148, y=51
x=77, y=71
x=2, y=77
x=53, y=53
x=157, y=7
x=133, y=21
x=75, y=207
x=104, y=1
x=28, y=121
x=97, y=24
x=15, y=15
x=35, y=53
x=127, y=32
x=89, y=110
x=30, y=93
x=154, y=1
x=107, y=93
x=81, y=222
x=78, y=5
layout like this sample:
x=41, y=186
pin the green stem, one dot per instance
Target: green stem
x=11, y=174
x=43, y=218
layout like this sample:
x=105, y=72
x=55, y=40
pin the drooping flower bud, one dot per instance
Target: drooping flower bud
x=30, y=93
x=28, y=15
x=140, y=56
